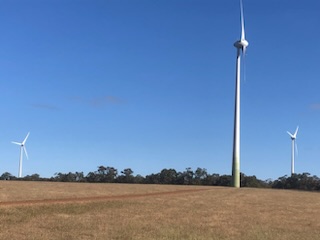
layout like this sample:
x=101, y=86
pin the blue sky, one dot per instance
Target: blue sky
x=149, y=84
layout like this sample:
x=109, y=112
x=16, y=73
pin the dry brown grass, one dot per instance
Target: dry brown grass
x=20, y=190
x=217, y=213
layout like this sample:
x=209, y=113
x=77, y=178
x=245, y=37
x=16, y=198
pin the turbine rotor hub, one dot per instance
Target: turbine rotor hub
x=242, y=44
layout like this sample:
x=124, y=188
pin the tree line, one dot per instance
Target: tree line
x=200, y=176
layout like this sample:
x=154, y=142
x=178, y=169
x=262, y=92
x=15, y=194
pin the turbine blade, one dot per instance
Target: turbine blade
x=244, y=48
x=290, y=134
x=24, y=141
x=242, y=22
x=25, y=151
x=296, y=146
x=16, y=143
x=295, y=133
x=244, y=64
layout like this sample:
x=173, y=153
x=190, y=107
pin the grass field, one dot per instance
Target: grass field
x=44, y=210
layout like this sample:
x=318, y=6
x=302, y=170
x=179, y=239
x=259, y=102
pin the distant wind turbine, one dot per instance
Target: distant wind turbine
x=294, y=147
x=22, y=149
x=241, y=46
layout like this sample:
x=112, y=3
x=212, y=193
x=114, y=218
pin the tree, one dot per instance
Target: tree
x=65, y=177
x=33, y=177
x=188, y=176
x=298, y=181
x=200, y=175
x=112, y=174
x=153, y=178
x=102, y=170
x=126, y=176
x=104, y=174
x=92, y=177
x=181, y=178
x=80, y=177
x=168, y=176
x=252, y=181
x=292, y=182
x=212, y=179
x=6, y=176
x=139, y=179
x=280, y=182
x=224, y=180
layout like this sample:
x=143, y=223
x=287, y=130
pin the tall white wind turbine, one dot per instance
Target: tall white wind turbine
x=241, y=46
x=22, y=149
x=294, y=147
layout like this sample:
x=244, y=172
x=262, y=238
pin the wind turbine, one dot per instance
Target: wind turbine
x=241, y=46
x=22, y=149
x=294, y=147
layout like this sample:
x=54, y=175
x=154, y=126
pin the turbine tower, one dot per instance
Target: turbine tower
x=22, y=149
x=241, y=46
x=294, y=146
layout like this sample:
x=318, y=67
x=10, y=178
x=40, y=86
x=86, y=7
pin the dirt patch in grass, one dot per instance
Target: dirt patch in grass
x=97, y=198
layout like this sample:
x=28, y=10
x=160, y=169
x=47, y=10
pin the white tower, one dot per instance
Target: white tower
x=241, y=46
x=22, y=149
x=293, y=147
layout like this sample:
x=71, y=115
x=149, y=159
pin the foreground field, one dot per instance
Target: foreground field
x=42, y=210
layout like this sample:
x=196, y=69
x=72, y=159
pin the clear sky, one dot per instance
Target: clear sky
x=149, y=84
